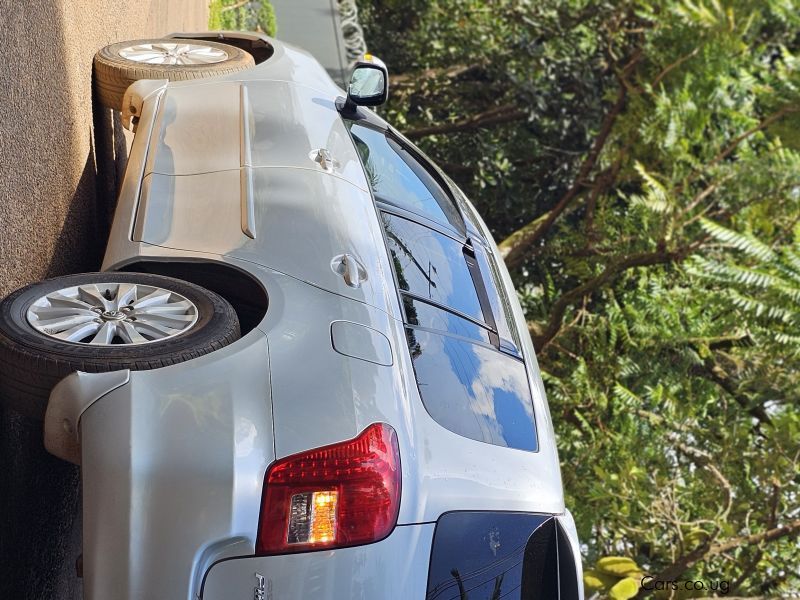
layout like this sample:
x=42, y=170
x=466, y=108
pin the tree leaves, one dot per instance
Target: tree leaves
x=646, y=173
x=741, y=241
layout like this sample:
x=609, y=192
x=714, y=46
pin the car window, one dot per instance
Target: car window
x=425, y=315
x=474, y=390
x=396, y=177
x=485, y=555
x=458, y=325
x=431, y=265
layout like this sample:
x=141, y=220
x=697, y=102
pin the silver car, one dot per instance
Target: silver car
x=303, y=371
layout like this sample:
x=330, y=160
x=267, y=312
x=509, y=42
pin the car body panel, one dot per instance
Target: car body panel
x=321, y=397
x=224, y=125
x=274, y=180
x=225, y=171
x=396, y=567
x=158, y=451
x=69, y=399
x=173, y=464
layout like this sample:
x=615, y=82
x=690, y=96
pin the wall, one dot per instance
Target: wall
x=60, y=158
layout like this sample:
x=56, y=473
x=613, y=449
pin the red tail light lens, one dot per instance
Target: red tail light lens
x=339, y=495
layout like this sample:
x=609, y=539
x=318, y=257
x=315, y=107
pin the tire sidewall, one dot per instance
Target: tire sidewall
x=14, y=323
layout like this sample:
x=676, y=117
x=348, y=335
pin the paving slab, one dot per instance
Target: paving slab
x=314, y=26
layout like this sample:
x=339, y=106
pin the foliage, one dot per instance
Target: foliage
x=639, y=163
x=252, y=15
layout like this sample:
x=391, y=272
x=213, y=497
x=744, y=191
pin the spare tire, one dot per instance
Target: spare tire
x=97, y=322
x=117, y=66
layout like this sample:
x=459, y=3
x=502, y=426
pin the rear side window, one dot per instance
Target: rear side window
x=467, y=366
x=431, y=266
x=466, y=383
x=474, y=390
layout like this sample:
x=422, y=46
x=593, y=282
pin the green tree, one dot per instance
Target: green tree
x=242, y=15
x=639, y=164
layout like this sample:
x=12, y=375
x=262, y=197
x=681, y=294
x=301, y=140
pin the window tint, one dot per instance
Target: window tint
x=395, y=176
x=431, y=265
x=473, y=390
x=426, y=315
x=493, y=555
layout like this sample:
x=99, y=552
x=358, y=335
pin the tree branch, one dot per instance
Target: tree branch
x=703, y=459
x=714, y=372
x=672, y=66
x=729, y=149
x=514, y=247
x=235, y=6
x=543, y=336
x=403, y=80
x=677, y=568
x=496, y=116
x=790, y=529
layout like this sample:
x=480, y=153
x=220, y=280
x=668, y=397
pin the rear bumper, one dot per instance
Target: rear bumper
x=407, y=565
x=172, y=465
x=396, y=567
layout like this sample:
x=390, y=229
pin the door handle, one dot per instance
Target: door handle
x=351, y=270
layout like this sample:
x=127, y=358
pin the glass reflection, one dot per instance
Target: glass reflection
x=483, y=556
x=474, y=391
x=367, y=82
x=431, y=265
x=396, y=177
x=423, y=314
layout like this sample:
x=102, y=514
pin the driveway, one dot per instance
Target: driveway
x=61, y=161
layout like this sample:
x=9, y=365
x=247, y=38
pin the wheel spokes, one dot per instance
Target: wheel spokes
x=94, y=297
x=78, y=332
x=105, y=335
x=54, y=312
x=170, y=53
x=126, y=294
x=177, y=322
x=129, y=334
x=59, y=299
x=52, y=326
x=156, y=297
x=112, y=313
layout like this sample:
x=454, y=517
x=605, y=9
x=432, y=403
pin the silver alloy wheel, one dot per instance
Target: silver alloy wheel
x=173, y=53
x=102, y=314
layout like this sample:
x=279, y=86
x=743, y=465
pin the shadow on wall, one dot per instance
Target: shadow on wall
x=57, y=191
x=81, y=242
x=56, y=204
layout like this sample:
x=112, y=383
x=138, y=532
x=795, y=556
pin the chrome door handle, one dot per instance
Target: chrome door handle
x=352, y=271
x=351, y=275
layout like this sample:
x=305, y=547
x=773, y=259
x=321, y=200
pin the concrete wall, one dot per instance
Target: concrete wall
x=60, y=158
x=56, y=187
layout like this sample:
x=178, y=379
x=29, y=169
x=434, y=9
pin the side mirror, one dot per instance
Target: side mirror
x=369, y=83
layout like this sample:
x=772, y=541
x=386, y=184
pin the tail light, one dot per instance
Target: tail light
x=339, y=495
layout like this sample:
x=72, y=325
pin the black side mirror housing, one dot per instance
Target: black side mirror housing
x=369, y=84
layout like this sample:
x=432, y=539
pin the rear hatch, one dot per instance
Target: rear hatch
x=490, y=555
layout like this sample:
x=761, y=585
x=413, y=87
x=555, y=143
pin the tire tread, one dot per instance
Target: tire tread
x=113, y=74
x=31, y=364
